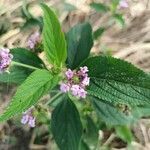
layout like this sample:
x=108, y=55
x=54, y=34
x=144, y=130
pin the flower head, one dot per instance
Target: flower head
x=76, y=82
x=33, y=40
x=28, y=118
x=123, y=4
x=5, y=59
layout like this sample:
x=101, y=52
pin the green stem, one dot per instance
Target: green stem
x=24, y=65
x=53, y=98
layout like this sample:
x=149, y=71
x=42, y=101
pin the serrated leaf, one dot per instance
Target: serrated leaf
x=28, y=94
x=109, y=114
x=53, y=38
x=99, y=7
x=18, y=74
x=117, y=81
x=66, y=125
x=80, y=42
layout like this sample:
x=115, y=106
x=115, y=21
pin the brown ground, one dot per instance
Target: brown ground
x=131, y=43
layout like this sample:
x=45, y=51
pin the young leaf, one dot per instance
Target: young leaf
x=27, y=95
x=66, y=125
x=119, y=19
x=109, y=114
x=124, y=133
x=99, y=7
x=99, y=32
x=53, y=38
x=80, y=42
x=18, y=74
x=114, y=80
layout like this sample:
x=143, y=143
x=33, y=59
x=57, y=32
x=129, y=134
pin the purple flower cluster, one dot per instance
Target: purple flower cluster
x=33, y=40
x=5, y=59
x=28, y=118
x=76, y=82
x=123, y=4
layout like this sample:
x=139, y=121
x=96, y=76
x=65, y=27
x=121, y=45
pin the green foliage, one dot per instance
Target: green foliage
x=53, y=38
x=80, y=42
x=124, y=133
x=117, y=81
x=99, y=7
x=109, y=114
x=91, y=132
x=66, y=125
x=83, y=146
x=27, y=95
x=18, y=74
x=99, y=32
x=119, y=18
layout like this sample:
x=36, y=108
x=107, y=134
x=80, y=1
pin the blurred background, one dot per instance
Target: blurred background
x=125, y=35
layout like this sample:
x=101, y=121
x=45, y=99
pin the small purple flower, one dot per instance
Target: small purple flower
x=64, y=87
x=84, y=69
x=31, y=122
x=28, y=118
x=82, y=93
x=33, y=40
x=75, y=90
x=69, y=73
x=25, y=119
x=123, y=4
x=5, y=59
x=86, y=81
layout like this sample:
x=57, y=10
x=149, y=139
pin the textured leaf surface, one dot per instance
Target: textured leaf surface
x=117, y=81
x=66, y=125
x=27, y=95
x=80, y=42
x=53, y=38
x=19, y=74
x=109, y=114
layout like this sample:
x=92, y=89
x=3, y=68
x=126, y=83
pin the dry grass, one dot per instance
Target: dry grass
x=131, y=43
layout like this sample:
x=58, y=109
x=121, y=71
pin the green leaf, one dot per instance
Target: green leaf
x=99, y=7
x=91, y=133
x=109, y=114
x=117, y=81
x=119, y=19
x=66, y=125
x=80, y=42
x=18, y=74
x=27, y=95
x=99, y=32
x=124, y=133
x=83, y=145
x=53, y=38
x=141, y=111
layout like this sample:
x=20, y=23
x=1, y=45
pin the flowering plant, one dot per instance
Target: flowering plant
x=80, y=85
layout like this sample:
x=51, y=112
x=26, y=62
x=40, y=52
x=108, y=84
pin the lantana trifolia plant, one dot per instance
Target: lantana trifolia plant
x=85, y=88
